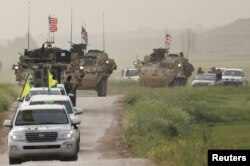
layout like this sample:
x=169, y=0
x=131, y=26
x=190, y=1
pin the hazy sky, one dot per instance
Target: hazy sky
x=120, y=15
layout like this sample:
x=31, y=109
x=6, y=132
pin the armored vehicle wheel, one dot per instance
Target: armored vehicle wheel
x=102, y=88
x=180, y=82
x=14, y=161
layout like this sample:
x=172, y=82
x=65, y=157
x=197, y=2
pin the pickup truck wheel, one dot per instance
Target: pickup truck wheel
x=72, y=158
x=78, y=145
x=14, y=161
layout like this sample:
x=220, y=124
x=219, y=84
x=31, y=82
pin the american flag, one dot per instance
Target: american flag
x=168, y=39
x=52, y=24
x=84, y=35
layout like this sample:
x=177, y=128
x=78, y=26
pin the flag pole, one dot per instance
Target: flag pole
x=48, y=40
x=21, y=92
x=24, y=84
x=87, y=34
x=81, y=32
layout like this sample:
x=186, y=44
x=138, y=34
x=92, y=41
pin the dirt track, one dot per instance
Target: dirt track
x=102, y=141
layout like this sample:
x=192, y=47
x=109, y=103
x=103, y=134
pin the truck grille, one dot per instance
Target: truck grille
x=42, y=147
x=41, y=137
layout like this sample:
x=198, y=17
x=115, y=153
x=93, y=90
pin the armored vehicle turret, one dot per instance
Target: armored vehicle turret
x=161, y=69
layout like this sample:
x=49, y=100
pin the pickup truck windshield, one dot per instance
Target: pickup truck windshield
x=41, y=92
x=206, y=77
x=65, y=103
x=232, y=73
x=38, y=117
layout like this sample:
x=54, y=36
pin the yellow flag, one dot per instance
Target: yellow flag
x=26, y=88
x=51, y=81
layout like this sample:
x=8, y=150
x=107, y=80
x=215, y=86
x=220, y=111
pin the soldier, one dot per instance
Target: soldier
x=218, y=74
x=68, y=85
x=200, y=71
x=70, y=88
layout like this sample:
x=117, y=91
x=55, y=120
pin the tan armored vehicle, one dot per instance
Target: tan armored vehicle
x=97, y=67
x=88, y=70
x=38, y=61
x=161, y=69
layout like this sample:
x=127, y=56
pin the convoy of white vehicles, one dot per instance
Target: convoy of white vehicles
x=44, y=125
x=228, y=76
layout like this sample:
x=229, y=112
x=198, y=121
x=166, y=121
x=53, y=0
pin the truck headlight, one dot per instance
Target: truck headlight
x=179, y=64
x=17, y=137
x=107, y=62
x=65, y=134
x=16, y=67
x=81, y=67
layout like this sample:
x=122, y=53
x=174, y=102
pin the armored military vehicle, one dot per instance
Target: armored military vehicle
x=36, y=62
x=88, y=70
x=161, y=69
x=97, y=68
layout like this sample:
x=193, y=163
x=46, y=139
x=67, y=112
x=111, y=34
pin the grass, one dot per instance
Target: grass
x=8, y=93
x=176, y=126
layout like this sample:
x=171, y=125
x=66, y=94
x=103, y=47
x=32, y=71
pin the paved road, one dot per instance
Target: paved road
x=101, y=138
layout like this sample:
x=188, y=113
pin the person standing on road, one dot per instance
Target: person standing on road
x=68, y=85
x=70, y=88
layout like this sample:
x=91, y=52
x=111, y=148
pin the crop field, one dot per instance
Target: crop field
x=176, y=126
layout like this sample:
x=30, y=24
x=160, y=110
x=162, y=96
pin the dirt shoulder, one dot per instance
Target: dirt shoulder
x=113, y=144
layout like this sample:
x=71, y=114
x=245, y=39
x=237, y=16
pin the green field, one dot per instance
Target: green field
x=8, y=93
x=176, y=126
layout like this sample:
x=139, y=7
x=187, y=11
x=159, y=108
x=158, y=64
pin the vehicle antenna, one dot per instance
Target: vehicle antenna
x=103, y=32
x=189, y=36
x=29, y=27
x=71, y=26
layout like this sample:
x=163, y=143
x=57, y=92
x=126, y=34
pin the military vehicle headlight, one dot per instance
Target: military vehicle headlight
x=17, y=136
x=81, y=67
x=65, y=134
x=16, y=67
x=107, y=62
x=179, y=64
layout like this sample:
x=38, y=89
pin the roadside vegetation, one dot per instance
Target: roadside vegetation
x=8, y=93
x=176, y=126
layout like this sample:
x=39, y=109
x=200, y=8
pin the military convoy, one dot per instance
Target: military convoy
x=89, y=70
x=161, y=69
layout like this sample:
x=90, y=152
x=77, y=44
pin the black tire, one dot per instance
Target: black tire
x=14, y=161
x=78, y=144
x=102, y=88
x=72, y=158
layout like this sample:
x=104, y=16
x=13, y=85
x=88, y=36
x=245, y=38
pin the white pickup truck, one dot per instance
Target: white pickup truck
x=130, y=73
x=234, y=76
